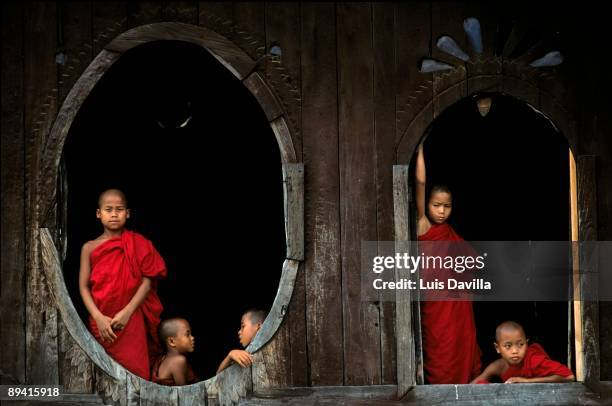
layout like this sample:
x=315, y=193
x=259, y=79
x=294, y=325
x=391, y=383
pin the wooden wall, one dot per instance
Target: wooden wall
x=345, y=70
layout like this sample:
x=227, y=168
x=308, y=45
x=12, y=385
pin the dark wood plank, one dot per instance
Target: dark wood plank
x=283, y=29
x=357, y=186
x=415, y=89
x=296, y=321
x=143, y=12
x=76, y=18
x=249, y=27
x=180, y=11
x=384, y=135
x=407, y=367
x=320, y=146
x=414, y=114
x=12, y=230
x=109, y=20
x=217, y=16
x=589, y=278
x=447, y=19
x=40, y=79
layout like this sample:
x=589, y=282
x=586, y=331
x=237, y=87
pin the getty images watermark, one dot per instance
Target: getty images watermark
x=486, y=270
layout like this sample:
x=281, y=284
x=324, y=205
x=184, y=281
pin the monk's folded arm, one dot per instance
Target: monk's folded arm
x=84, y=282
x=139, y=296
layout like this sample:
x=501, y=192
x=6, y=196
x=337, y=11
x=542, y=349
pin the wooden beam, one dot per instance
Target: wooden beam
x=406, y=357
x=323, y=274
x=579, y=351
x=587, y=208
x=293, y=188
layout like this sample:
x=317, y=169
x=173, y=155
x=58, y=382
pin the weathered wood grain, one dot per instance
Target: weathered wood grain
x=589, y=272
x=385, y=83
x=357, y=189
x=323, y=275
x=293, y=188
x=40, y=80
x=406, y=357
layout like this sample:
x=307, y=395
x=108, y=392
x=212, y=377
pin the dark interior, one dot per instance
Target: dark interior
x=509, y=175
x=208, y=194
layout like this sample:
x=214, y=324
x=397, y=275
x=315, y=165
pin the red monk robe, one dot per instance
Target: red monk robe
x=117, y=268
x=451, y=353
x=536, y=364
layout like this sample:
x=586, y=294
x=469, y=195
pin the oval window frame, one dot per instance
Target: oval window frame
x=233, y=382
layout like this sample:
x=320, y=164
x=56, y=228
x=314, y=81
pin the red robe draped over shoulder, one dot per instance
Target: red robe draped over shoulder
x=450, y=350
x=536, y=364
x=117, y=268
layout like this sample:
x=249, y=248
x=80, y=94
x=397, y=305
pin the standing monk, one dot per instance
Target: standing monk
x=117, y=281
x=451, y=353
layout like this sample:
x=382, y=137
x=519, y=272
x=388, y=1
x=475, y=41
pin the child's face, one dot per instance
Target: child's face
x=113, y=212
x=183, y=341
x=512, y=346
x=439, y=207
x=247, y=330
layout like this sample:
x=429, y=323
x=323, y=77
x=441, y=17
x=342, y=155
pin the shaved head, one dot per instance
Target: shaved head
x=508, y=326
x=111, y=192
x=256, y=315
x=169, y=328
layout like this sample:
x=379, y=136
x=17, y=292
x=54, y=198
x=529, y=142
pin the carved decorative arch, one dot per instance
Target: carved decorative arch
x=119, y=384
x=485, y=74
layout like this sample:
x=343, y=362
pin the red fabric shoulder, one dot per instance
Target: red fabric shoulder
x=539, y=363
x=143, y=255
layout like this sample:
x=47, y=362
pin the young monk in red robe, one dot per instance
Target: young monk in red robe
x=450, y=350
x=521, y=362
x=173, y=368
x=117, y=281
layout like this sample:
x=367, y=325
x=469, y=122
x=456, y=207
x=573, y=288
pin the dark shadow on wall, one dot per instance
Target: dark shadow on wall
x=209, y=195
x=509, y=175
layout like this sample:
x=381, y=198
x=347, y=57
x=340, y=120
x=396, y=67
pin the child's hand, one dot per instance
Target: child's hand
x=517, y=379
x=241, y=357
x=104, y=327
x=120, y=320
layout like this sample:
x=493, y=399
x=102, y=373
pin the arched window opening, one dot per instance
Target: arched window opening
x=509, y=174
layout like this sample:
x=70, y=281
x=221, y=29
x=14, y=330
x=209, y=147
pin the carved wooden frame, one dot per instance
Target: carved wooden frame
x=234, y=382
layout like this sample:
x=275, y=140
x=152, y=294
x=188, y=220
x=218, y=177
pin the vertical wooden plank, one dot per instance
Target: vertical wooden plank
x=412, y=25
x=283, y=29
x=323, y=273
x=406, y=352
x=145, y=12
x=415, y=89
x=577, y=308
x=12, y=230
x=384, y=135
x=447, y=19
x=217, y=16
x=249, y=25
x=76, y=43
x=109, y=20
x=180, y=11
x=40, y=79
x=587, y=207
x=357, y=188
